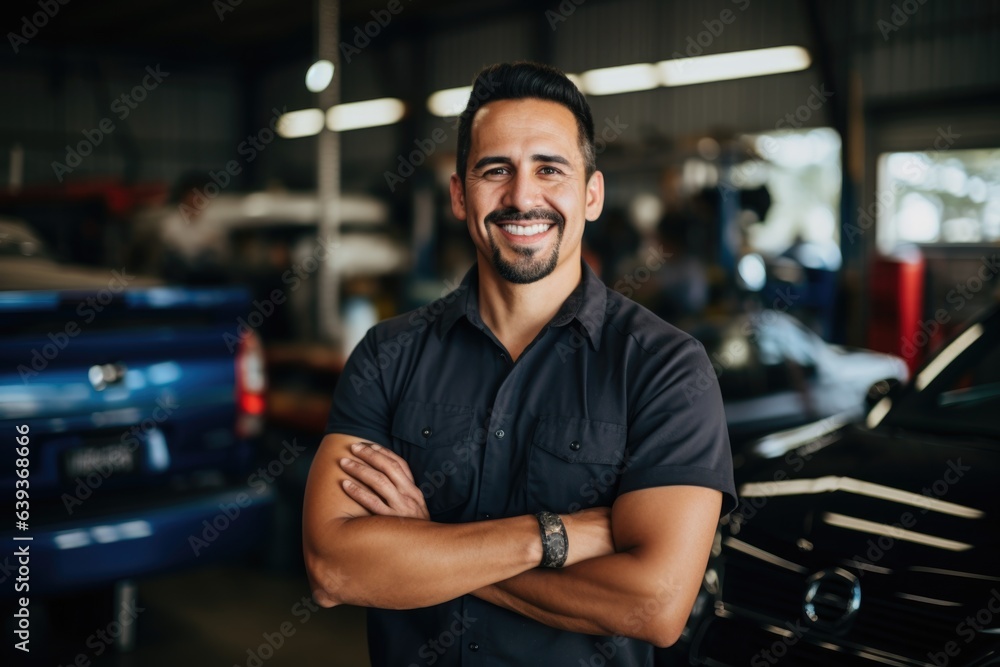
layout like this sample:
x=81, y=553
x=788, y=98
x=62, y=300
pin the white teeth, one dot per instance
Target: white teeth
x=528, y=230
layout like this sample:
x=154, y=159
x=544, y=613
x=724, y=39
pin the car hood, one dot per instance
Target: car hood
x=877, y=501
x=34, y=273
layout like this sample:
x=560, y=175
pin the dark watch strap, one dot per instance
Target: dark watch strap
x=555, y=544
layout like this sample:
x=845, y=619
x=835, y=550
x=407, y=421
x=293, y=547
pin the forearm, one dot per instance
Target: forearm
x=400, y=563
x=620, y=594
x=646, y=589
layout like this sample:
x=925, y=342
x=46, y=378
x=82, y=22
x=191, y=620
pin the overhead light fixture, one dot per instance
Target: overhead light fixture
x=624, y=79
x=370, y=113
x=304, y=123
x=736, y=65
x=449, y=102
x=319, y=75
x=645, y=76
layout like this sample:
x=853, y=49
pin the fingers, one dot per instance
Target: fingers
x=386, y=479
x=384, y=460
x=375, y=480
x=365, y=498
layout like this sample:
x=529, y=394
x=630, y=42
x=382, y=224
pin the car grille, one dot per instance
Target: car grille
x=885, y=627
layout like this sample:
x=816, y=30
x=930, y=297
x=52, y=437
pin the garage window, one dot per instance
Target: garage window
x=938, y=197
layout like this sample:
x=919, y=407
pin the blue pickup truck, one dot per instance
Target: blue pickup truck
x=128, y=415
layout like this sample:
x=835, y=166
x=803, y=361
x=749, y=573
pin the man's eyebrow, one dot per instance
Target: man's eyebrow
x=537, y=157
x=558, y=159
x=493, y=159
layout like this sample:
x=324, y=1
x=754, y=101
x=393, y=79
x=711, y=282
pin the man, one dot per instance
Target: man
x=530, y=389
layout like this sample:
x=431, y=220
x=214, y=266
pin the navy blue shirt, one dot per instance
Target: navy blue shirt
x=607, y=399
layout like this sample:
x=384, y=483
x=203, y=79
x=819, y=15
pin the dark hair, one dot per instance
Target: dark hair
x=520, y=80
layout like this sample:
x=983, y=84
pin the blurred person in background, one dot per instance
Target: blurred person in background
x=529, y=470
x=194, y=250
x=663, y=274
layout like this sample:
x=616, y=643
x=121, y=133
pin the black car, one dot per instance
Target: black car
x=870, y=544
x=775, y=374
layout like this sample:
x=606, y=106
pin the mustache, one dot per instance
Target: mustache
x=513, y=215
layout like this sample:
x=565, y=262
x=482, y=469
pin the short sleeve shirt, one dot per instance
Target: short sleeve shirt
x=607, y=399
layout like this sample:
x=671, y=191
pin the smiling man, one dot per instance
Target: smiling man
x=534, y=474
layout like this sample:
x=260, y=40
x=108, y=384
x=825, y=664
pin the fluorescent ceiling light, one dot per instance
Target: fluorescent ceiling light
x=319, y=76
x=737, y=65
x=370, y=113
x=895, y=532
x=304, y=123
x=624, y=79
x=645, y=76
x=449, y=102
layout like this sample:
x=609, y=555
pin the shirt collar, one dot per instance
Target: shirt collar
x=464, y=300
x=587, y=304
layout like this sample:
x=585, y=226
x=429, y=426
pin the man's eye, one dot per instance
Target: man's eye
x=496, y=171
x=549, y=170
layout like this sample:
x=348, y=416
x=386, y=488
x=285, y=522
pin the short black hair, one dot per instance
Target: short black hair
x=521, y=80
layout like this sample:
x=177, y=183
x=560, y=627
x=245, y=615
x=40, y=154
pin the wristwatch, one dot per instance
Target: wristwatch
x=555, y=544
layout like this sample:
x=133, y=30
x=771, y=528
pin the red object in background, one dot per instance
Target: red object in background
x=251, y=385
x=120, y=200
x=896, y=308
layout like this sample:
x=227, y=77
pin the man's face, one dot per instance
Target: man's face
x=526, y=196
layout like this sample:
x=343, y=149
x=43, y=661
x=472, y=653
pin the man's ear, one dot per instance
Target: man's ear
x=595, y=196
x=457, y=188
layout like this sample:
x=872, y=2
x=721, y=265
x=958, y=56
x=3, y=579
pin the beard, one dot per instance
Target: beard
x=529, y=264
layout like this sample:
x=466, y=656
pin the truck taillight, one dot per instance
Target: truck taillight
x=251, y=383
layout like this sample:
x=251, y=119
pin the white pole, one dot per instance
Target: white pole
x=328, y=176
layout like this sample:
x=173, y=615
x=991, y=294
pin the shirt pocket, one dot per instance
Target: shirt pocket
x=429, y=436
x=575, y=463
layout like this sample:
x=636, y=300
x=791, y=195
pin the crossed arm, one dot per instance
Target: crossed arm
x=633, y=570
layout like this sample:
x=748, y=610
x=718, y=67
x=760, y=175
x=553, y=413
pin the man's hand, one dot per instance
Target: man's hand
x=382, y=483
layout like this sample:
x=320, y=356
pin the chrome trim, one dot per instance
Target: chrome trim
x=104, y=375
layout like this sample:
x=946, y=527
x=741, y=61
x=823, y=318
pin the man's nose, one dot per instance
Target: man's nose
x=522, y=192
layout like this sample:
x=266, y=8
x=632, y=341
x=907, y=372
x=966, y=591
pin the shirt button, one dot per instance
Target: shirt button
x=488, y=515
x=500, y=433
x=473, y=646
x=575, y=446
x=426, y=432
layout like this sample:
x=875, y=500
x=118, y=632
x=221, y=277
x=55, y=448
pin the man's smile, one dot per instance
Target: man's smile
x=523, y=228
x=525, y=232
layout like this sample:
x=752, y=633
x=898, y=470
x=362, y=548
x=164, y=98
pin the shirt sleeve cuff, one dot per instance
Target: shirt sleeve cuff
x=359, y=432
x=681, y=476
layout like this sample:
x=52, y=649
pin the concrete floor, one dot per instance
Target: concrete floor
x=228, y=616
